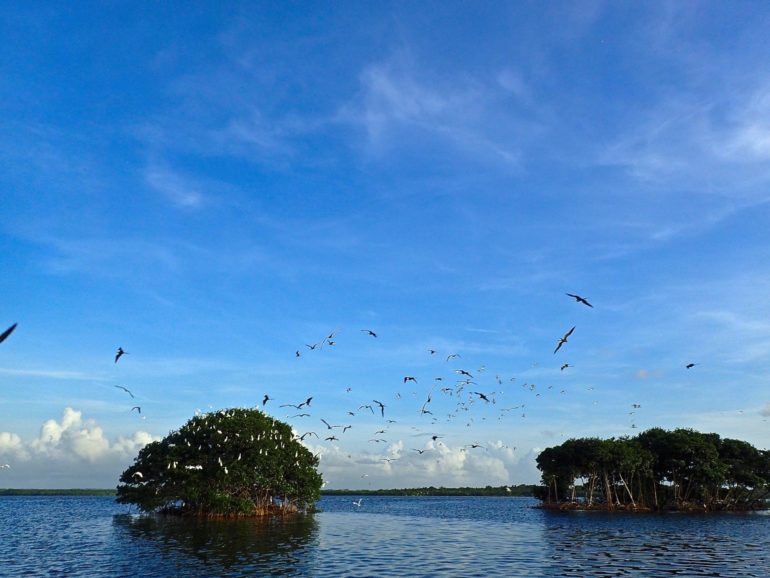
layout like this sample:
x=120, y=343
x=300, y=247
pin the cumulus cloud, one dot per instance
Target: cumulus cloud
x=435, y=464
x=72, y=449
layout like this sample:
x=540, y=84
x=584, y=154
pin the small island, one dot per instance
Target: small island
x=234, y=462
x=657, y=470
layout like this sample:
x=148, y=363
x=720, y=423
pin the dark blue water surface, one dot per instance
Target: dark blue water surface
x=385, y=536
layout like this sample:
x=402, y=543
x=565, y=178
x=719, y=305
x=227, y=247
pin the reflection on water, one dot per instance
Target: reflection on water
x=275, y=546
x=385, y=536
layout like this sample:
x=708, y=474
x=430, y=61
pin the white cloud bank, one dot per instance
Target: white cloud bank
x=71, y=452
x=439, y=464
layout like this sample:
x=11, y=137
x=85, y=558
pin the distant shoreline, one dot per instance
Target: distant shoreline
x=57, y=492
x=520, y=490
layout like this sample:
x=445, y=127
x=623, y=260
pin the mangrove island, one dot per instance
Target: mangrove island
x=234, y=462
x=656, y=470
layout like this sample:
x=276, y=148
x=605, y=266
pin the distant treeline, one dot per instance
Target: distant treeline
x=519, y=490
x=658, y=469
x=69, y=492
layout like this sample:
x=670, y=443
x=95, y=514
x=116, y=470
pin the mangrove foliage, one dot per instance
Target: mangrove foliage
x=656, y=470
x=235, y=462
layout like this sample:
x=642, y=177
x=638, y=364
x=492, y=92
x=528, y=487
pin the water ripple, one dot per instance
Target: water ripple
x=403, y=537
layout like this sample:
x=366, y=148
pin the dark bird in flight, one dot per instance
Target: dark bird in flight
x=332, y=438
x=690, y=365
x=463, y=372
x=366, y=406
x=580, y=299
x=481, y=396
x=328, y=425
x=7, y=332
x=300, y=415
x=432, y=351
x=307, y=402
x=434, y=438
x=563, y=340
x=311, y=347
x=370, y=332
x=266, y=399
x=346, y=428
x=296, y=406
x=410, y=378
x=304, y=435
x=452, y=356
x=565, y=366
x=419, y=451
x=126, y=390
x=297, y=354
x=137, y=408
x=382, y=406
x=120, y=353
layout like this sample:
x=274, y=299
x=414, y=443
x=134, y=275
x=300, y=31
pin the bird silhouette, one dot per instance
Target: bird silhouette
x=137, y=408
x=369, y=332
x=119, y=353
x=580, y=299
x=382, y=406
x=409, y=378
x=125, y=389
x=266, y=399
x=7, y=332
x=563, y=340
x=690, y=365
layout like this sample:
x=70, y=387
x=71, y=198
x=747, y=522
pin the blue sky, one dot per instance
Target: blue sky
x=212, y=189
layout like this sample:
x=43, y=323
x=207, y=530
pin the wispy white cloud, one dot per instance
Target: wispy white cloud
x=52, y=373
x=466, y=113
x=180, y=190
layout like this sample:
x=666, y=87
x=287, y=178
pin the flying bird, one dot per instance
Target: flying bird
x=266, y=399
x=563, y=340
x=481, y=396
x=137, y=408
x=580, y=299
x=125, y=389
x=690, y=365
x=410, y=378
x=119, y=353
x=565, y=366
x=452, y=356
x=7, y=332
x=382, y=406
x=304, y=435
x=369, y=332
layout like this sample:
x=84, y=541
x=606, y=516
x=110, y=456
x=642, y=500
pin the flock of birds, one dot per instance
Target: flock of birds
x=465, y=391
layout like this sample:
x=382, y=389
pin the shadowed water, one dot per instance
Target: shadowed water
x=386, y=536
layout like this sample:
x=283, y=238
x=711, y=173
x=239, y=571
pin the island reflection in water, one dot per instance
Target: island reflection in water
x=222, y=544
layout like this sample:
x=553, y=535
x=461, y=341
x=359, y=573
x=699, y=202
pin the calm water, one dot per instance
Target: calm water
x=93, y=536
